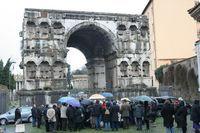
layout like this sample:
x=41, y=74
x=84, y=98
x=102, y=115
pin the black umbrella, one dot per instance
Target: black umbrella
x=86, y=102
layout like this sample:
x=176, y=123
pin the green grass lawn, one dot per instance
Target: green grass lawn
x=156, y=127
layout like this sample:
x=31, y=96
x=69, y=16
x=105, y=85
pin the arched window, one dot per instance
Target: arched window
x=57, y=25
x=144, y=31
x=121, y=27
x=45, y=70
x=135, y=69
x=123, y=68
x=58, y=70
x=133, y=28
x=44, y=25
x=31, y=70
x=146, y=68
x=30, y=24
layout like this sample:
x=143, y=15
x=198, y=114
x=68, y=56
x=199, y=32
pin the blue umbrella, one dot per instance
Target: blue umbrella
x=70, y=100
x=107, y=94
x=142, y=98
x=65, y=99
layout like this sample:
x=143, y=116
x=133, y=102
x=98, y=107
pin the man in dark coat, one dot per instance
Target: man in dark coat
x=97, y=114
x=79, y=117
x=34, y=115
x=168, y=116
x=45, y=118
x=114, y=110
x=70, y=115
x=39, y=117
x=18, y=116
x=146, y=114
x=92, y=115
x=195, y=116
x=139, y=114
x=181, y=117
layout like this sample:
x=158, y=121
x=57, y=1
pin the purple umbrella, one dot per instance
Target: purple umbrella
x=74, y=103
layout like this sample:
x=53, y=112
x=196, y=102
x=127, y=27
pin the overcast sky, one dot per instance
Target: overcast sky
x=11, y=13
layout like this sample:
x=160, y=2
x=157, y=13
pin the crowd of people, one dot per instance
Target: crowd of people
x=111, y=115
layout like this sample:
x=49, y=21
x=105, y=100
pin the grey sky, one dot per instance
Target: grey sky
x=11, y=12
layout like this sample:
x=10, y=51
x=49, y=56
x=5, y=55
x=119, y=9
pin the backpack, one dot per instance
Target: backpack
x=107, y=112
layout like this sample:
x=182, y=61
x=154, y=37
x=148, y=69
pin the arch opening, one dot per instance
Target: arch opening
x=96, y=44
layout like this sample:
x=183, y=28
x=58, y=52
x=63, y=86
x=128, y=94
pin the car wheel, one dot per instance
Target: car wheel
x=30, y=119
x=3, y=121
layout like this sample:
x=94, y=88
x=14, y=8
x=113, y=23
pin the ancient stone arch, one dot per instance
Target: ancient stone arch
x=110, y=42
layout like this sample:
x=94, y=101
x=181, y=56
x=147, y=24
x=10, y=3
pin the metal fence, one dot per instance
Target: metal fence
x=4, y=101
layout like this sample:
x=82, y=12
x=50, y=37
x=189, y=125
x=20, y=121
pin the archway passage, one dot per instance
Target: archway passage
x=92, y=40
x=97, y=45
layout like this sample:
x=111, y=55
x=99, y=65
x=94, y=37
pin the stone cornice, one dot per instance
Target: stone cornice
x=82, y=15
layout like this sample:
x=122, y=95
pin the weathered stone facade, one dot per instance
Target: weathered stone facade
x=181, y=79
x=80, y=81
x=116, y=47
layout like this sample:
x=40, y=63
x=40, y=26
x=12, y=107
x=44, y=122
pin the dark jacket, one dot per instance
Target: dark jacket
x=181, y=116
x=70, y=112
x=167, y=113
x=17, y=114
x=139, y=111
x=34, y=112
x=146, y=112
x=78, y=115
x=114, y=110
x=97, y=110
x=195, y=113
x=39, y=113
x=91, y=110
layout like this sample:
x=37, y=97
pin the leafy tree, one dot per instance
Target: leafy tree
x=159, y=73
x=1, y=72
x=81, y=71
x=6, y=78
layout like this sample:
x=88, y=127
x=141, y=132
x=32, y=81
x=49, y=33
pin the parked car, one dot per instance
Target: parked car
x=9, y=116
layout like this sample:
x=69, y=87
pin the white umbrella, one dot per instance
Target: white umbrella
x=96, y=97
x=125, y=99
